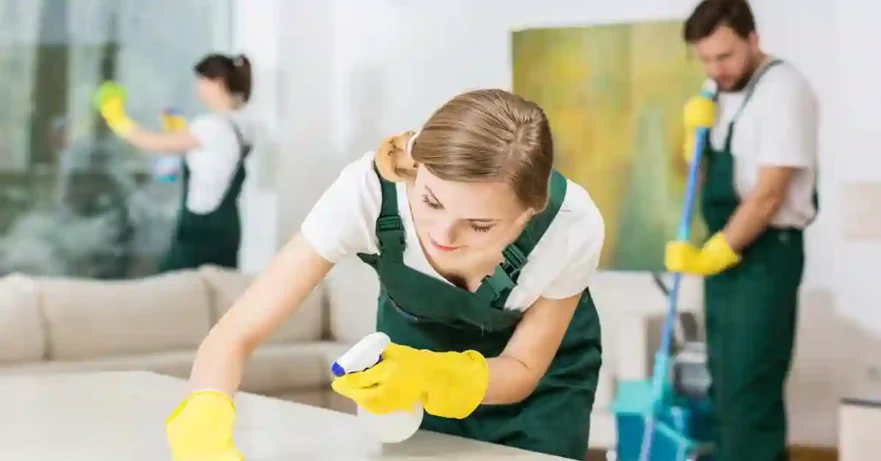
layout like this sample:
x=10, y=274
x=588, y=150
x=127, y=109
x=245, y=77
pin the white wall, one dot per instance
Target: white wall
x=856, y=155
x=255, y=32
x=353, y=71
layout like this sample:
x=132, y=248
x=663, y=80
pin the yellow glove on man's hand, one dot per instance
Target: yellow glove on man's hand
x=110, y=101
x=200, y=428
x=449, y=384
x=715, y=256
x=699, y=112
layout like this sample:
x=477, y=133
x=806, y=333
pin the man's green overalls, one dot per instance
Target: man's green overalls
x=750, y=319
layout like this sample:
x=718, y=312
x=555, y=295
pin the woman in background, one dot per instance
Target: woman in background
x=213, y=146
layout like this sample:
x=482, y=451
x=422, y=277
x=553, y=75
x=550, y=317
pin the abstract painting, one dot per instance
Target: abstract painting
x=614, y=96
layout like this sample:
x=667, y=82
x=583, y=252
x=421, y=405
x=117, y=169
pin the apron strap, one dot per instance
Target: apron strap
x=753, y=82
x=815, y=199
x=244, y=147
x=516, y=255
x=747, y=94
x=389, y=227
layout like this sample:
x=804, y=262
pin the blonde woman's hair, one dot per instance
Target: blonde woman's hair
x=488, y=136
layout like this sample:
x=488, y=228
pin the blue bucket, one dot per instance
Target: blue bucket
x=682, y=428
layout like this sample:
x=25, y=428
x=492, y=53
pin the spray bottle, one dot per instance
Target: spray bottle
x=388, y=428
x=167, y=168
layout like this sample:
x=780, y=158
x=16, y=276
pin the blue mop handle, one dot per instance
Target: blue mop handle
x=662, y=356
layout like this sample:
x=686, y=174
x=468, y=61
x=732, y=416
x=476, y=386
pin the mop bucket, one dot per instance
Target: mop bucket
x=681, y=431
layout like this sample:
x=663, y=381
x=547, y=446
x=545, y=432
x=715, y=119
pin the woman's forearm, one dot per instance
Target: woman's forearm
x=266, y=305
x=178, y=143
x=510, y=381
x=219, y=366
x=515, y=374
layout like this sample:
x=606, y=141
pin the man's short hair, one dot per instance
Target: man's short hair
x=711, y=14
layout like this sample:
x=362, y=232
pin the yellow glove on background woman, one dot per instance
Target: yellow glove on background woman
x=201, y=427
x=449, y=384
x=110, y=99
x=172, y=121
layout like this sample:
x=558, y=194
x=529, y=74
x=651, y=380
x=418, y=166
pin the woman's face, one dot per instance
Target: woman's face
x=212, y=93
x=455, y=219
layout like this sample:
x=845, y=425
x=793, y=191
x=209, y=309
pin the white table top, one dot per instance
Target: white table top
x=121, y=416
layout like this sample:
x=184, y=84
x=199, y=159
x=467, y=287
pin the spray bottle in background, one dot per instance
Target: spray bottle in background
x=167, y=168
x=388, y=428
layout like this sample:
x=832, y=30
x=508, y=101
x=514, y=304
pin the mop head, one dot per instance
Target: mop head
x=681, y=425
x=634, y=407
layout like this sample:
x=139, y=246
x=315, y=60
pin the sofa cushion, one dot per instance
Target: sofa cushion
x=313, y=397
x=275, y=367
x=22, y=338
x=98, y=318
x=225, y=285
x=352, y=292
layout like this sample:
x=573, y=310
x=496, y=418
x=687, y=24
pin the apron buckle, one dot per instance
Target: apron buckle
x=496, y=284
x=515, y=259
x=390, y=231
x=389, y=223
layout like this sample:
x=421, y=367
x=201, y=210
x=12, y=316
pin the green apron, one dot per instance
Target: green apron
x=750, y=320
x=213, y=237
x=423, y=312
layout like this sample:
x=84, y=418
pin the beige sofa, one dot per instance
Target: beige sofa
x=57, y=325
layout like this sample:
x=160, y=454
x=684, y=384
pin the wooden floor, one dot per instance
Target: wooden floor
x=801, y=453
x=796, y=453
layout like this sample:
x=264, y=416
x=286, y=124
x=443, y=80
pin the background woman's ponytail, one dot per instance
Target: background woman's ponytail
x=242, y=82
x=234, y=71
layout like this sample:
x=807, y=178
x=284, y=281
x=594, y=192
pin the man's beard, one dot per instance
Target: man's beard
x=744, y=79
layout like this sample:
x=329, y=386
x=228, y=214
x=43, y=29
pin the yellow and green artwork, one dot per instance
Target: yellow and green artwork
x=614, y=95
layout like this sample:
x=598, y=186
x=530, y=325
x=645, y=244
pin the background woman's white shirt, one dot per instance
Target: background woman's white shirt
x=342, y=224
x=214, y=163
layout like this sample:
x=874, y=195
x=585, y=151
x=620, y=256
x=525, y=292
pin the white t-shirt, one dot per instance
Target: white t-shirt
x=214, y=163
x=778, y=127
x=561, y=265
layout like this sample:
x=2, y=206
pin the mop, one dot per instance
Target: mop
x=662, y=356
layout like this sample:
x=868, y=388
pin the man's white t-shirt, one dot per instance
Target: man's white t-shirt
x=342, y=223
x=214, y=163
x=777, y=128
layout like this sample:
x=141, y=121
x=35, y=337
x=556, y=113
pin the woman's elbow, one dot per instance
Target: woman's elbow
x=522, y=389
x=511, y=381
x=226, y=340
x=523, y=392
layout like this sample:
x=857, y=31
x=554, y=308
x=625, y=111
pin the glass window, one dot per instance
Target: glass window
x=74, y=199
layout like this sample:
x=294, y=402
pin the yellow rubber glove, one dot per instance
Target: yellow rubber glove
x=110, y=99
x=714, y=257
x=201, y=427
x=449, y=384
x=699, y=112
x=172, y=121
